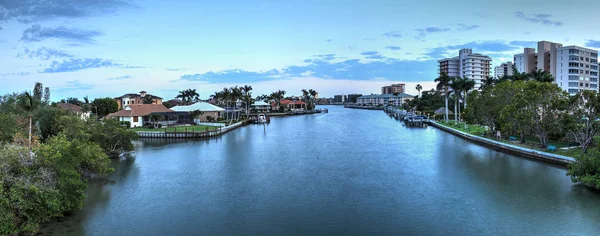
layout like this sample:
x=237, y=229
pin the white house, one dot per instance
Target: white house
x=207, y=110
x=260, y=107
x=75, y=109
x=137, y=114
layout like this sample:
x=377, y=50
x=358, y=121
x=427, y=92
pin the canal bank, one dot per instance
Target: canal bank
x=513, y=149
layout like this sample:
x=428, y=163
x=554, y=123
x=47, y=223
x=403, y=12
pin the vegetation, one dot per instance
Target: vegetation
x=46, y=156
x=188, y=96
x=104, y=106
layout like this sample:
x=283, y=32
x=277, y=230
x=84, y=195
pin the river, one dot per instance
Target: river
x=347, y=172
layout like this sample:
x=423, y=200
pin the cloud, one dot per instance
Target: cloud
x=463, y=27
x=393, y=34
x=44, y=53
x=329, y=40
x=73, y=85
x=120, y=78
x=372, y=55
x=75, y=64
x=18, y=73
x=393, y=48
x=538, y=18
x=37, y=33
x=351, y=69
x=491, y=46
x=369, y=39
x=325, y=57
x=178, y=69
x=26, y=11
x=425, y=31
x=593, y=43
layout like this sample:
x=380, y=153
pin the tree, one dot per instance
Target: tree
x=418, y=88
x=539, y=106
x=488, y=82
x=188, y=96
x=247, y=98
x=38, y=91
x=518, y=76
x=105, y=106
x=28, y=103
x=541, y=76
x=148, y=100
x=584, y=122
x=46, y=95
x=466, y=86
x=313, y=96
x=586, y=170
x=154, y=117
x=443, y=83
x=455, y=84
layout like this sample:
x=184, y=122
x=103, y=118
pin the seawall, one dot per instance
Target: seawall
x=509, y=148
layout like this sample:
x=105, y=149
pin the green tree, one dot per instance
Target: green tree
x=586, y=170
x=456, y=86
x=541, y=76
x=46, y=95
x=28, y=103
x=188, y=96
x=488, y=82
x=419, y=88
x=38, y=91
x=148, y=100
x=105, y=106
x=443, y=83
x=583, y=123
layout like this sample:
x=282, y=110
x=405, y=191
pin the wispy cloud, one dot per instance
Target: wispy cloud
x=75, y=64
x=43, y=53
x=18, y=73
x=325, y=57
x=543, y=19
x=372, y=55
x=232, y=76
x=393, y=48
x=329, y=40
x=593, y=43
x=120, y=78
x=73, y=85
x=31, y=11
x=178, y=69
x=463, y=27
x=37, y=33
x=393, y=34
x=425, y=31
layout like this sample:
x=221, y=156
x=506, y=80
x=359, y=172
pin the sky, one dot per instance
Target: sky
x=105, y=48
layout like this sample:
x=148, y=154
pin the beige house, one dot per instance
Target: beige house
x=133, y=98
x=205, y=108
x=75, y=109
x=138, y=114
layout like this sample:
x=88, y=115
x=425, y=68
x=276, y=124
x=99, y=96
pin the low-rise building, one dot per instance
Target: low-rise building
x=75, y=109
x=206, y=110
x=138, y=114
x=340, y=98
x=260, y=107
x=134, y=98
x=384, y=99
x=289, y=105
x=352, y=97
x=504, y=69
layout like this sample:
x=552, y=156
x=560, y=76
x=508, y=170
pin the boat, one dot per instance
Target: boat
x=262, y=119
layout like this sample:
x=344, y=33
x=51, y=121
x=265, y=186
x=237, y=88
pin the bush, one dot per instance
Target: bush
x=210, y=118
x=159, y=126
x=586, y=170
x=125, y=124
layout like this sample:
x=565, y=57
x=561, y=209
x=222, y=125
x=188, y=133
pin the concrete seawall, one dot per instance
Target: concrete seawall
x=191, y=135
x=509, y=148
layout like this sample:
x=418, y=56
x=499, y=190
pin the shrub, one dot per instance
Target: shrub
x=126, y=124
x=159, y=126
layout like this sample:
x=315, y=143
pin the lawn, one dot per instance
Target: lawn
x=194, y=128
x=530, y=142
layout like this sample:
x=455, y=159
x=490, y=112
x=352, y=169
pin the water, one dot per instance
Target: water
x=348, y=172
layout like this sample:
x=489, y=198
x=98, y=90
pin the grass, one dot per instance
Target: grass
x=530, y=142
x=193, y=128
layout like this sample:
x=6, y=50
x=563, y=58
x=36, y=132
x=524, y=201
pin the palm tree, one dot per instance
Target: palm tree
x=467, y=84
x=456, y=85
x=488, y=82
x=236, y=94
x=443, y=84
x=313, y=95
x=419, y=87
x=28, y=103
x=147, y=100
x=226, y=96
x=306, y=96
x=518, y=75
x=247, y=98
x=541, y=76
x=188, y=96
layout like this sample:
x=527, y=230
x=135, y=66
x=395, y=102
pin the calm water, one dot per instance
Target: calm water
x=348, y=172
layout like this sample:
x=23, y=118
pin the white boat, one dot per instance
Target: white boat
x=262, y=119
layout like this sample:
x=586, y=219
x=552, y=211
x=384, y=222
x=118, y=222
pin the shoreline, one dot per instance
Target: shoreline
x=508, y=148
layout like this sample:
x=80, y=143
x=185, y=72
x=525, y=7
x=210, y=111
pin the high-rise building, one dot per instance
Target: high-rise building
x=577, y=69
x=340, y=98
x=574, y=68
x=352, y=97
x=393, y=89
x=503, y=69
x=467, y=64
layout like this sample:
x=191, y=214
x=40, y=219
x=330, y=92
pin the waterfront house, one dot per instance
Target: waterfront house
x=205, y=108
x=290, y=105
x=133, y=98
x=260, y=107
x=384, y=99
x=139, y=114
x=75, y=109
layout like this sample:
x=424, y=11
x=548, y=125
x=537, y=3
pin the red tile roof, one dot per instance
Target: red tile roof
x=69, y=106
x=140, y=110
x=286, y=102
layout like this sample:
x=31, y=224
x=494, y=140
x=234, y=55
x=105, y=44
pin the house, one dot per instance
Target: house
x=289, y=105
x=205, y=108
x=133, y=98
x=384, y=99
x=138, y=114
x=75, y=109
x=260, y=107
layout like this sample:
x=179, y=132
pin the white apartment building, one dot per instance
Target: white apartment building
x=467, y=64
x=574, y=68
x=503, y=69
x=577, y=69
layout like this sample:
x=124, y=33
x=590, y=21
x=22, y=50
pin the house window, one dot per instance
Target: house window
x=135, y=119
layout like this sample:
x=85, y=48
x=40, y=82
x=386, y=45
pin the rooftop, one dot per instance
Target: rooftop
x=140, y=110
x=70, y=107
x=199, y=106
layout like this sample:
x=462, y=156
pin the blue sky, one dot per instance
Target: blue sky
x=105, y=48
